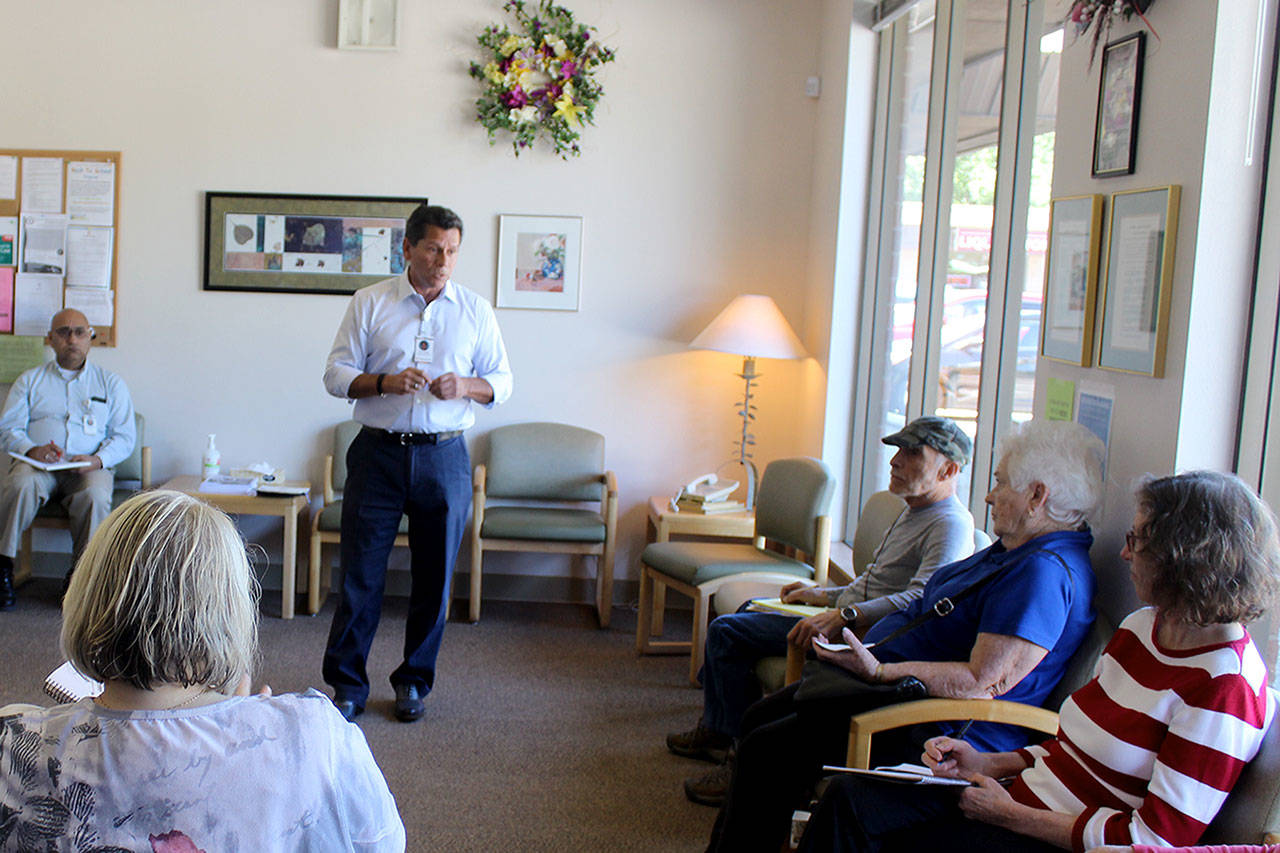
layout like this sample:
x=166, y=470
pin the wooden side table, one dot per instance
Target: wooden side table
x=288, y=507
x=665, y=522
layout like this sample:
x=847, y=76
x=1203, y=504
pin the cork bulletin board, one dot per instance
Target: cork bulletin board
x=59, y=238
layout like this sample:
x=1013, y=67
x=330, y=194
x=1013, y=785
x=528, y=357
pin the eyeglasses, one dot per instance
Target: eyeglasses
x=73, y=332
x=1132, y=540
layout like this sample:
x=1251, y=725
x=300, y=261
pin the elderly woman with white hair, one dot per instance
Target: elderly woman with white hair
x=174, y=755
x=1007, y=621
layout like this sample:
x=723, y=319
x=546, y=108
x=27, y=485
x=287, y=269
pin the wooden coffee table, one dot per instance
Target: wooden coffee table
x=288, y=507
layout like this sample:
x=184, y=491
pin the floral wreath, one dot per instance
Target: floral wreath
x=1100, y=14
x=538, y=77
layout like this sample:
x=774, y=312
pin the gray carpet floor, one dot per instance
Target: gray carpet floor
x=543, y=733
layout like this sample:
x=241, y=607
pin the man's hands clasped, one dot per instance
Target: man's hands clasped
x=411, y=380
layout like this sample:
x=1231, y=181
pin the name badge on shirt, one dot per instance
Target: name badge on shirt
x=90, y=425
x=424, y=349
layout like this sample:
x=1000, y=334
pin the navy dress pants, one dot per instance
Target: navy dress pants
x=431, y=484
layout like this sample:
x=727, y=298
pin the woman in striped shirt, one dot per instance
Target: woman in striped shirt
x=1147, y=751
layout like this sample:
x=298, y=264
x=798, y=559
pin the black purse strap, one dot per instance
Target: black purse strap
x=946, y=604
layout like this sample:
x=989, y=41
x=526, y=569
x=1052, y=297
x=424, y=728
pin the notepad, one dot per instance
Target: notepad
x=66, y=684
x=777, y=605
x=903, y=774
x=50, y=466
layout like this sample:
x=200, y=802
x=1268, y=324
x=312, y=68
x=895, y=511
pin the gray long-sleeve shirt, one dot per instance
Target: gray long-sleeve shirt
x=920, y=540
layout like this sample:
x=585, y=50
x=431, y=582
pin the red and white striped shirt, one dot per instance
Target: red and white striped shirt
x=1147, y=751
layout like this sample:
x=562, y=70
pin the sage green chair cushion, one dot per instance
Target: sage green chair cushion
x=343, y=434
x=331, y=518
x=793, y=492
x=698, y=562
x=544, y=461
x=544, y=523
x=772, y=673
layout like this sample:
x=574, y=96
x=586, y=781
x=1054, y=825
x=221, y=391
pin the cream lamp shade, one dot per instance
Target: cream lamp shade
x=751, y=325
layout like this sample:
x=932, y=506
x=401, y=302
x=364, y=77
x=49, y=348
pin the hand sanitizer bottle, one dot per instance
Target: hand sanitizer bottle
x=211, y=460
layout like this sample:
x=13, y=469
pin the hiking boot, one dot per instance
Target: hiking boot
x=711, y=788
x=700, y=743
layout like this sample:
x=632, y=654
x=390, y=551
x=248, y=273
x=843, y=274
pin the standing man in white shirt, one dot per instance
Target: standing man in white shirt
x=416, y=353
x=66, y=410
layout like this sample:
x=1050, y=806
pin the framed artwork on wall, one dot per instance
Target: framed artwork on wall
x=1115, y=134
x=302, y=243
x=1071, y=279
x=1142, y=235
x=539, y=262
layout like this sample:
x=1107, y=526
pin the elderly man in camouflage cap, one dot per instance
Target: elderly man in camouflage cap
x=934, y=529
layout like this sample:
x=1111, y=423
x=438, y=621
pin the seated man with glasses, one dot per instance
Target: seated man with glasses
x=65, y=411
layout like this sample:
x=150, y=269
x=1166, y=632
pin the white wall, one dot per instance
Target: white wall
x=695, y=186
x=1193, y=113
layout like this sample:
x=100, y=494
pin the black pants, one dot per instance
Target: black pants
x=859, y=815
x=780, y=756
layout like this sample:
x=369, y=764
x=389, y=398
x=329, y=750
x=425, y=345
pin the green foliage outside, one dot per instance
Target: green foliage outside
x=975, y=175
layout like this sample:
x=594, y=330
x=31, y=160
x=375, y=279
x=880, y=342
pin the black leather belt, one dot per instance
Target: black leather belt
x=406, y=438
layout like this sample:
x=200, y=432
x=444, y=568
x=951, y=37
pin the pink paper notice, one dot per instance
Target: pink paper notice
x=6, y=300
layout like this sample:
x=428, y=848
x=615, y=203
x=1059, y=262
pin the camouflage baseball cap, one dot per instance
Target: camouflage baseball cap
x=942, y=434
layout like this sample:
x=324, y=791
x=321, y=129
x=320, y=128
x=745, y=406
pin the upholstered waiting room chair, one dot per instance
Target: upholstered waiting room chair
x=132, y=474
x=545, y=463
x=791, y=512
x=1113, y=600
x=326, y=525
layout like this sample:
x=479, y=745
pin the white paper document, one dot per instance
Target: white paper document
x=906, y=774
x=89, y=256
x=97, y=305
x=91, y=193
x=41, y=185
x=49, y=466
x=66, y=684
x=44, y=243
x=36, y=298
x=8, y=177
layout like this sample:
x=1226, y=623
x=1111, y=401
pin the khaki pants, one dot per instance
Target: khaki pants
x=86, y=495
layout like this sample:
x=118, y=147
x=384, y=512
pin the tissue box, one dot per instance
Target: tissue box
x=276, y=475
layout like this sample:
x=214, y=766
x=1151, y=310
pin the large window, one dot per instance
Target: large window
x=964, y=158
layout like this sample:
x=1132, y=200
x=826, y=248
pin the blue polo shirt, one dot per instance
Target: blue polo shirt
x=1040, y=598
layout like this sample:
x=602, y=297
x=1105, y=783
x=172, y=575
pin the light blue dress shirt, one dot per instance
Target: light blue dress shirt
x=377, y=335
x=90, y=413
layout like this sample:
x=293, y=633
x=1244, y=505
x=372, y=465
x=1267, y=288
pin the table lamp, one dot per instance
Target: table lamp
x=750, y=326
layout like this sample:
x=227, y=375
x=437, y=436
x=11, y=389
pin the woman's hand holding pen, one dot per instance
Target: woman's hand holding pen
x=947, y=756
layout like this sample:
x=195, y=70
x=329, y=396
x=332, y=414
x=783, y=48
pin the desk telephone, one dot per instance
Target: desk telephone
x=708, y=487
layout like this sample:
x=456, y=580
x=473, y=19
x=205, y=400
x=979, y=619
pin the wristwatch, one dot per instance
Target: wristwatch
x=849, y=614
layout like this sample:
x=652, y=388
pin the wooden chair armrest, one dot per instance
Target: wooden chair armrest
x=328, y=479
x=478, y=480
x=795, y=664
x=822, y=553
x=610, y=485
x=863, y=726
x=146, y=466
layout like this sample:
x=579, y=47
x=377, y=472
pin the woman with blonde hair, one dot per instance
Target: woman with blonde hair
x=162, y=609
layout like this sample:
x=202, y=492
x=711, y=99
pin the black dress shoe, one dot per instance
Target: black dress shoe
x=348, y=708
x=7, y=596
x=409, y=705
